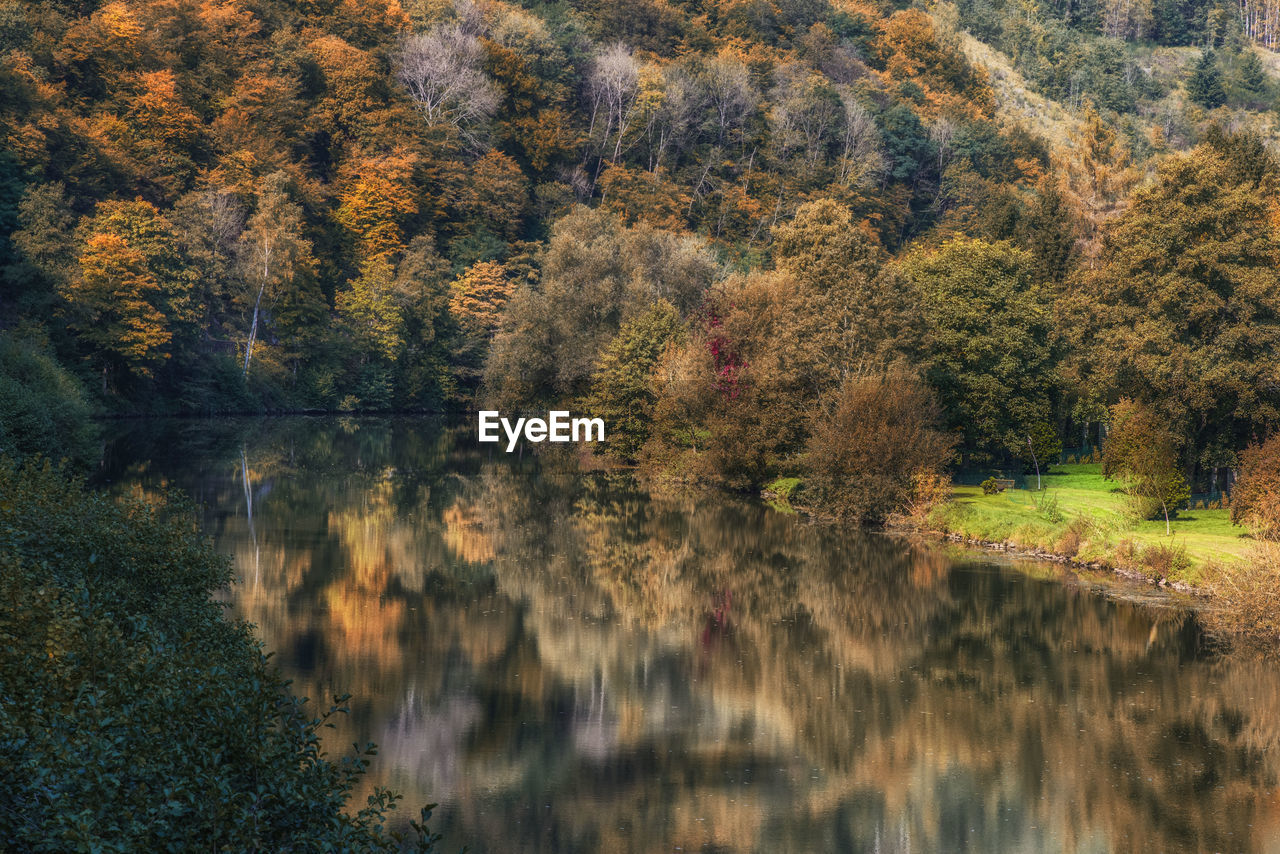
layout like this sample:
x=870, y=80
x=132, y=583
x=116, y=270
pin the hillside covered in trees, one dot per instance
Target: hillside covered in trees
x=720, y=225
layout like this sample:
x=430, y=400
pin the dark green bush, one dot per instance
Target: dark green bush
x=43, y=410
x=991, y=486
x=135, y=717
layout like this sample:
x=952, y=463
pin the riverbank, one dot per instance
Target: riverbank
x=1081, y=517
x=1084, y=521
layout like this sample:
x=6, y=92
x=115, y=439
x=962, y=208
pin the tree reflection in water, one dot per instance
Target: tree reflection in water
x=568, y=663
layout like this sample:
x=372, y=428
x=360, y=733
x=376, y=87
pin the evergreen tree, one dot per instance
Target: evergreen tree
x=1205, y=85
x=1251, y=78
x=622, y=389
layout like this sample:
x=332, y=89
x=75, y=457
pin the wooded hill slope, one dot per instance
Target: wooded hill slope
x=701, y=218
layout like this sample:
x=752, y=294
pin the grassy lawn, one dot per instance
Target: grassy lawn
x=1081, y=515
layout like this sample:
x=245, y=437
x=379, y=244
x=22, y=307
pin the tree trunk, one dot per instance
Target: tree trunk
x=253, y=331
x=257, y=303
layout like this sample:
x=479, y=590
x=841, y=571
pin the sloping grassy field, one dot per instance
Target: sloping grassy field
x=1081, y=515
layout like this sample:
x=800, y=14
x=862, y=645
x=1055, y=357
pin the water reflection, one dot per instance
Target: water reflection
x=568, y=664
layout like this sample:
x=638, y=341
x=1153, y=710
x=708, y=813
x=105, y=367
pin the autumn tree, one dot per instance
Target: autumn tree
x=1099, y=177
x=275, y=258
x=378, y=196
x=761, y=392
x=639, y=196
x=113, y=305
x=782, y=340
x=369, y=311
x=596, y=275
x=421, y=294
x=852, y=317
x=527, y=64
x=476, y=302
x=622, y=387
x=1049, y=229
x=162, y=131
x=494, y=195
x=684, y=384
x=914, y=50
x=45, y=236
x=130, y=297
x=372, y=323
x=871, y=444
x=478, y=296
x=1141, y=451
x=1255, y=497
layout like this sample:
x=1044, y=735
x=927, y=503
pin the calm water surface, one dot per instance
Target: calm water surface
x=569, y=664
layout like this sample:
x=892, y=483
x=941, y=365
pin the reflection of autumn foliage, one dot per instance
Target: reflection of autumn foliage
x=675, y=671
x=464, y=534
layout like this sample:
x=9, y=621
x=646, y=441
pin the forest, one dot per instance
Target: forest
x=844, y=252
x=722, y=226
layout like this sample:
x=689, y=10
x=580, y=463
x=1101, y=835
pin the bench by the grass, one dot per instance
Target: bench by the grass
x=993, y=485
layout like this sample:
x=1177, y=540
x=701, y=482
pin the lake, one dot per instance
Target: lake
x=568, y=663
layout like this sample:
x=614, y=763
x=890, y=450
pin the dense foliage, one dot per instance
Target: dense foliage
x=136, y=717
x=1032, y=206
x=43, y=410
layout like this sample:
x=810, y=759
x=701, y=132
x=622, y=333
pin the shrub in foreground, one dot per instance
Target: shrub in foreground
x=43, y=410
x=136, y=718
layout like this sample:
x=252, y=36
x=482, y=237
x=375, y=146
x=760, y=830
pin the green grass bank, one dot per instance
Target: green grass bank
x=1082, y=516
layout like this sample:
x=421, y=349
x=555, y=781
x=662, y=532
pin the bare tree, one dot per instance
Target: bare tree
x=728, y=86
x=442, y=70
x=613, y=84
x=1126, y=19
x=209, y=223
x=671, y=126
x=805, y=112
x=862, y=157
x=941, y=133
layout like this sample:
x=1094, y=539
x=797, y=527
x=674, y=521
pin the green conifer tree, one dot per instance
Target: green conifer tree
x=1205, y=85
